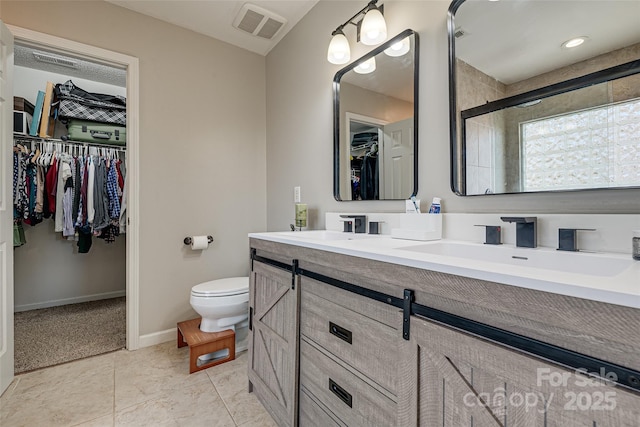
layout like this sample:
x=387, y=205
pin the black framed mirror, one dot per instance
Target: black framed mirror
x=530, y=112
x=375, y=123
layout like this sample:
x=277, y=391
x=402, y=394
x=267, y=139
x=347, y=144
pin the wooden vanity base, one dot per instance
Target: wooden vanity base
x=201, y=343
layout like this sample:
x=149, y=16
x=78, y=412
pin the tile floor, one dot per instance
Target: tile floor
x=148, y=387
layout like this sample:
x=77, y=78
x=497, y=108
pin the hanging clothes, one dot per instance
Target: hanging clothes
x=50, y=184
x=39, y=209
x=77, y=183
x=82, y=209
x=91, y=210
x=68, y=229
x=64, y=173
x=369, y=177
x=112, y=191
x=123, y=207
x=100, y=197
x=85, y=194
x=21, y=199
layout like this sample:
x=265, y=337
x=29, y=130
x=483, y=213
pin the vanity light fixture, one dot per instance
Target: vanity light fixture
x=399, y=49
x=575, y=42
x=372, y=30
x=366, y=67
x=339, y=50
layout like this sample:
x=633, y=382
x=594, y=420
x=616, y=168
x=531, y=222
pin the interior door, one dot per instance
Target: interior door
x=6, y=208
x=398, y=159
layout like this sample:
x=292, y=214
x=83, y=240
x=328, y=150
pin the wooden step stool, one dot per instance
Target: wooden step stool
x=200, y=343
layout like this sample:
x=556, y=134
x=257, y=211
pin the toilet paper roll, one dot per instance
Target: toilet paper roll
x=199, y=243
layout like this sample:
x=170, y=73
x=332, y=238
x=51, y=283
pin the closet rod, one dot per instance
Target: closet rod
x=29, y=138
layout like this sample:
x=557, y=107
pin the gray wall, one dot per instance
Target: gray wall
x=202, y=145
x=299, y=123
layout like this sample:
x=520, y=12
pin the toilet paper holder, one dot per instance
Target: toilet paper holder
x=187, y=240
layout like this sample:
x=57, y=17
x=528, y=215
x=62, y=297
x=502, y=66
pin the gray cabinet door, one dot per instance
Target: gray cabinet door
x=273, y=341
x=450, y=378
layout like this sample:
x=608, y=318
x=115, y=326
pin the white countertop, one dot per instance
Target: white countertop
x=621, y=287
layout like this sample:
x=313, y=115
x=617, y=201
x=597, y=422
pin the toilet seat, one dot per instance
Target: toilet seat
x=222, y=287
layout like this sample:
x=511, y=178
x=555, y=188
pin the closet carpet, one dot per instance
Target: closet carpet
x=55, y=335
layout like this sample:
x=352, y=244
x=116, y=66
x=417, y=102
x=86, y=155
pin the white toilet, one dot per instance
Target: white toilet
x=224, y=304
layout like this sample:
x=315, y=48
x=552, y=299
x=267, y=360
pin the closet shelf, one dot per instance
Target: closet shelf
x=29, y=138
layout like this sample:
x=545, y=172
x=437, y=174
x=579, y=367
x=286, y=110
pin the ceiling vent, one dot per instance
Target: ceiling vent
x=258, y=21
x=55, y=59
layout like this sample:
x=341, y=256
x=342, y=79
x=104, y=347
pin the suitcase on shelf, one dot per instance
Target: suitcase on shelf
x=76, y=103
x=97, y=133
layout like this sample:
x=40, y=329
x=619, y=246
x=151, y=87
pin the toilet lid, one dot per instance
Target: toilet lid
x=222, y=287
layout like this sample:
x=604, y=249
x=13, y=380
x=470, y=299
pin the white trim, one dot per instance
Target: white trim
x=7, y=353
x=131, y=64
x=133, y=211
x=158, y=337
x=65, y=301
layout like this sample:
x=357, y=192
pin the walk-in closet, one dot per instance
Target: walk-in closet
x=70, y=201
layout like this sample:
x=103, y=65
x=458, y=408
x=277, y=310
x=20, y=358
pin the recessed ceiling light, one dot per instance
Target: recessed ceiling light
x=575, y=42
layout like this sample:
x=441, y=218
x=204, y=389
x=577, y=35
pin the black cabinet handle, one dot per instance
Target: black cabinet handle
x=340, y=332
x=341, y=393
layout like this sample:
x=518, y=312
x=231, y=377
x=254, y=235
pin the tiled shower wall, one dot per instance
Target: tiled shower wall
x=484, y=134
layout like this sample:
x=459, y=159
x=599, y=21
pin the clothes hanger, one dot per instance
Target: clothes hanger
x=46, y=157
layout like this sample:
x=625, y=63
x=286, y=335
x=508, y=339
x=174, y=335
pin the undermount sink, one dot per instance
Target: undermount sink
x=327, y=235
x=594, y=264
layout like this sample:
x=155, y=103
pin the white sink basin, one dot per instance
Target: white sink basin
x=593, y=264
x=326, y=235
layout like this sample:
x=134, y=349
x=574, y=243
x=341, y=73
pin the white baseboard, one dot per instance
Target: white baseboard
x=157, y=338
x=65, y=301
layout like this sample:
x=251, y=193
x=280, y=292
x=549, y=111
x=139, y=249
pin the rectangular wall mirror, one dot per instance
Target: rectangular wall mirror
x=530, y=113
x=375, y=125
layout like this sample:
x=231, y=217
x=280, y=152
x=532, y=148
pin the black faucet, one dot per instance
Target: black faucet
x=526, y=230
x=493, y=234
x=359, y=223
x=568, y=239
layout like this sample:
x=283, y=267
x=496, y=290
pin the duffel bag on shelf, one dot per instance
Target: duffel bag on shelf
x=105, y=133
x=76, y=103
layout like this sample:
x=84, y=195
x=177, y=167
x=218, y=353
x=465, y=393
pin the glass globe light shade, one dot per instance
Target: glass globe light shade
x=366, y=67
x=373, y=30
x=339, y=51
x=400, y=48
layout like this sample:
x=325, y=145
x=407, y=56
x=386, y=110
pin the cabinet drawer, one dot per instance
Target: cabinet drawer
x=352, y=400
x=312, y=415
x=365, y=344
x=383, y=313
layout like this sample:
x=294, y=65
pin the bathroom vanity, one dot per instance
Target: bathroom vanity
x=365, y=332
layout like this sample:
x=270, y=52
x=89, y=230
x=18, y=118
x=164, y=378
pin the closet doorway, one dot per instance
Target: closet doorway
x=129, y=66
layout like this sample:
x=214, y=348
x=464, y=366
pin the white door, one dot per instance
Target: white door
x=398, y=159
x=6, y=208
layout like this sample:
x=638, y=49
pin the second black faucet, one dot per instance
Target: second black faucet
x=526, y=230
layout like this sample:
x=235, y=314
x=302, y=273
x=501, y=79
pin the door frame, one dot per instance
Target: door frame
x=131, y=65
x=349, y=117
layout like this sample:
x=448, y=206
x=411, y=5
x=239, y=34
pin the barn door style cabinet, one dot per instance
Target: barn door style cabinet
x=338, y=340
x=273, y=341
x=455, y=379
